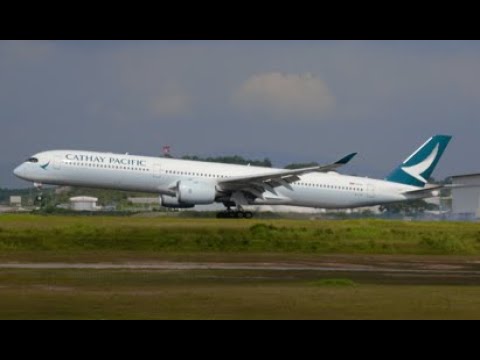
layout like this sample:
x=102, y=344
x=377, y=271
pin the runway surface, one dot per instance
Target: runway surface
x=471, y=268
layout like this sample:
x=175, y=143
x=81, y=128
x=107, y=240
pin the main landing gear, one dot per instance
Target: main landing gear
x=234, y=214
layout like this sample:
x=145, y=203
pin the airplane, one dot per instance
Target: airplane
x=185, y=183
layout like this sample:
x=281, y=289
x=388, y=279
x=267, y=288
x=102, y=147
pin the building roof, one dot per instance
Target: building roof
x=83, y=199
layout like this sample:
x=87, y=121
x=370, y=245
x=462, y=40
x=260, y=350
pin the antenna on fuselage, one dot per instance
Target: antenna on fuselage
x=166, y=151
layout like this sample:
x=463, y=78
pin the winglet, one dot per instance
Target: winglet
x=346, y=159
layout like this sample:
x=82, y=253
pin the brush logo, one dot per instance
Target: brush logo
x=416, y=170
x=44, y=167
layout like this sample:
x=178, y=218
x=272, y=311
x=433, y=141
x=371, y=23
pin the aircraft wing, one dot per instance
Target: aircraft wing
x=256, y=184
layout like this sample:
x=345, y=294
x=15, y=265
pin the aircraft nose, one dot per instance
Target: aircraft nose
x=18, y=171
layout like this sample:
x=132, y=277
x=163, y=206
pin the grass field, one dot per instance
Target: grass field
x=71, y=234
x=75, y=294
x=233, y=294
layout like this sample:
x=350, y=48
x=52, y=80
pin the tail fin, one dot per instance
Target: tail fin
x=418, y=167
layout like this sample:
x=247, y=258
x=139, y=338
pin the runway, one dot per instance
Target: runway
x=471, y=268
x=241, y=286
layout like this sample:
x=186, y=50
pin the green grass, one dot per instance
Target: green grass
x=73, y=234
x=122, y=294
x=233, y=294
x=334, y=282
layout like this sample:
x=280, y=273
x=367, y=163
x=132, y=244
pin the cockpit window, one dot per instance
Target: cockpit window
x=32, y=160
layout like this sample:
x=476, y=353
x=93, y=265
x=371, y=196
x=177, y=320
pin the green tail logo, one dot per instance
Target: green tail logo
x=418, y=167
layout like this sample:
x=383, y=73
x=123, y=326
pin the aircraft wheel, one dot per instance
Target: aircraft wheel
x=234, y=215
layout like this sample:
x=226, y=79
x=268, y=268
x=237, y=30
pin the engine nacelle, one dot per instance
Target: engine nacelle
x=195, y=192
x=172, y=202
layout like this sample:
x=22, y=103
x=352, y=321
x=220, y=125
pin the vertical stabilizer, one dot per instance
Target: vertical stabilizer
x=418, y=167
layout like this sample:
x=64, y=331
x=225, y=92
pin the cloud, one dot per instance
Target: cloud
x=169, y=105
x=14, y=51
x=274, y=92
x=372, y=94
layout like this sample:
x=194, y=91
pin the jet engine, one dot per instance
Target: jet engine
x=172, y=202
x=196, y=192
x=189, y=194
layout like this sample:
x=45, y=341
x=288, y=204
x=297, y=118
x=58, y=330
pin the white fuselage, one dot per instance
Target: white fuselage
x=159, y=175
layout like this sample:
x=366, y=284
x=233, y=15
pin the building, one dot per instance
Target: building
x=84, y=203
x=466, y=200
x=16, y=201
x=143, y=201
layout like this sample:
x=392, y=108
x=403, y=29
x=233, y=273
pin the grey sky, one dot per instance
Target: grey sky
x=286, y=100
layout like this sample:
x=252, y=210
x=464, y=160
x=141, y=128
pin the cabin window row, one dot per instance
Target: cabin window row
x=102, y=166
x=348, y=188
x=188, y=173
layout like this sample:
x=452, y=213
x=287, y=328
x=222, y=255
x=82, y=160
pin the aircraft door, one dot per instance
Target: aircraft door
x=157, y=171
x=370, y=191
x=57, y=162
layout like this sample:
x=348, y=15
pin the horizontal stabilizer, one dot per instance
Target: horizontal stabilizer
x=424, y=191
x=438, y=187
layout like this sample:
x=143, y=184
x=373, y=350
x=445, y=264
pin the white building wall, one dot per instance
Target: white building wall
x=83, y=203
x=84, y=206
x=466, y=201
x=16, y=200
